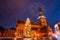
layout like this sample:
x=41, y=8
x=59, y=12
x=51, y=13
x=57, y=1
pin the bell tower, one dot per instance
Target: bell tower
x=44, y=28
x=41, y=18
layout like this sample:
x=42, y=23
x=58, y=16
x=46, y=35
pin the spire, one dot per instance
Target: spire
x=41, y=15
x=40, y=12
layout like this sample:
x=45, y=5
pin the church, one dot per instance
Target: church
x=37, y=29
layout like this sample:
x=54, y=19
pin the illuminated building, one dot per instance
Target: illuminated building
x=19, y=28
x=9, y=33
x=37, y=29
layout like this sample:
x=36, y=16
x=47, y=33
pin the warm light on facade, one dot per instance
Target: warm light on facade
x=27, y=28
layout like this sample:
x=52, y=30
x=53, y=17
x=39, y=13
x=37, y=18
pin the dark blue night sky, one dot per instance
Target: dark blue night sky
x=12, y=10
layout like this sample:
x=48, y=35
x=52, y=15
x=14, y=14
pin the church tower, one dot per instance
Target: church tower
x=41, y=18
